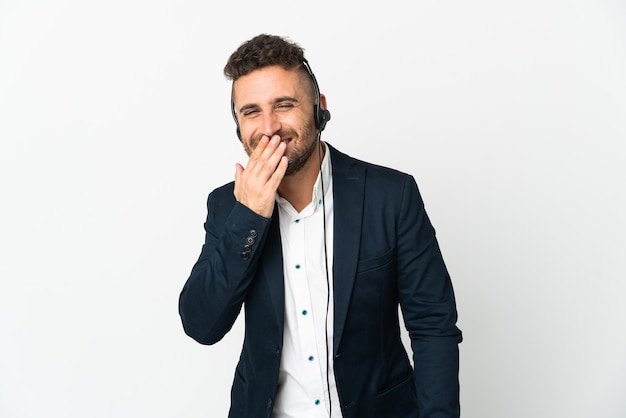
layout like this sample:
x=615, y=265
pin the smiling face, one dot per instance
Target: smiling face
x=275, y=101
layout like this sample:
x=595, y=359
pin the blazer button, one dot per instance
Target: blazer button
x=245, y=256
x=250, y=240
x=253, y=233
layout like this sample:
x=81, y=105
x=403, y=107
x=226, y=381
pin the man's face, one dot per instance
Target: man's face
x=274, y=101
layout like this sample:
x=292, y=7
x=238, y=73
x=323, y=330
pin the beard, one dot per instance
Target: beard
x=298, y=161
x=299, y=156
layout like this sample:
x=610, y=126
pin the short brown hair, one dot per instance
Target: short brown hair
x=263, y=51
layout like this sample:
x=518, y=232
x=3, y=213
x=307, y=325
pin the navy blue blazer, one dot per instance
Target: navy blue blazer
x=385, y=254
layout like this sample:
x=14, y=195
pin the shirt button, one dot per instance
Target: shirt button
x=304, y=312
x=297, y=266
x=317, y=402
x=311, y=358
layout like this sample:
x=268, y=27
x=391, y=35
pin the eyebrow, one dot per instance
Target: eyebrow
x=286, y=99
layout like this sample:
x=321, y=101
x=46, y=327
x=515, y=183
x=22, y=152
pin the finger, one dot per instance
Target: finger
x=259, y=149
x=274, y=158
x=270, y=149
x=279, y=173
x=259, y=156
x=263, y=165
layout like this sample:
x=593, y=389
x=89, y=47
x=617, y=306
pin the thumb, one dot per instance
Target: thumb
x=238, y=172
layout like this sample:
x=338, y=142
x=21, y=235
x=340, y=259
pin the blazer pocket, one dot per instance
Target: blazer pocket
x=398, y=401
x=375, y=262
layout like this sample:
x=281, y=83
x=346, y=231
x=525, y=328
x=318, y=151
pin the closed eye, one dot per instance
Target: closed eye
x=285, y=103
x=281, y=104
x=250, y=112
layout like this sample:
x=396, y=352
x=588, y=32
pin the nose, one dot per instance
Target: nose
x=271, y=124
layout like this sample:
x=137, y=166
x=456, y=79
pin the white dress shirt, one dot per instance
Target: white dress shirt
x=306, y=365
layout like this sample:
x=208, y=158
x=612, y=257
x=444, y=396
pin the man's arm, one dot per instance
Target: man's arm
x=429, y=310
x=214, y=293
x=235, y=231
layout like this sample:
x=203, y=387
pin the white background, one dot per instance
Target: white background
x=115, y=125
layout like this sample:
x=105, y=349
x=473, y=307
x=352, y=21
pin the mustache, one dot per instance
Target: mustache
x=283, y=133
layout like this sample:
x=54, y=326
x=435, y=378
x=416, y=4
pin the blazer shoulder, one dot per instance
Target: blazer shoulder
x=222, y=194
x=221, y=200
x=374, y=172
x=223, y=191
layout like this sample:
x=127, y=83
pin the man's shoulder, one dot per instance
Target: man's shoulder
x=222, y=195
x=372, y=170
x=224, y=190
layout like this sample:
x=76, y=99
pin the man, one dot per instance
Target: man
x=320, y=249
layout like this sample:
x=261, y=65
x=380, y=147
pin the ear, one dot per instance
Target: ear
x=323, y=101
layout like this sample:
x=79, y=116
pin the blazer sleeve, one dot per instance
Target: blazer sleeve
x=212, y=297
x=429, y=309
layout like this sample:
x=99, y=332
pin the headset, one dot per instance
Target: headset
x=320, y=115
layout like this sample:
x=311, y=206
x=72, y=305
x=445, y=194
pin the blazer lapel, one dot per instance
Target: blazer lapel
x=348, y=196
x=273, y=269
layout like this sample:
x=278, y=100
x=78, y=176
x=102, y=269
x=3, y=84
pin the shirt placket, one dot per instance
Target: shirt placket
x=309, y=355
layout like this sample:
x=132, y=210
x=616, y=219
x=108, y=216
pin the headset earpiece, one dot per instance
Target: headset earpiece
x=320, y=115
